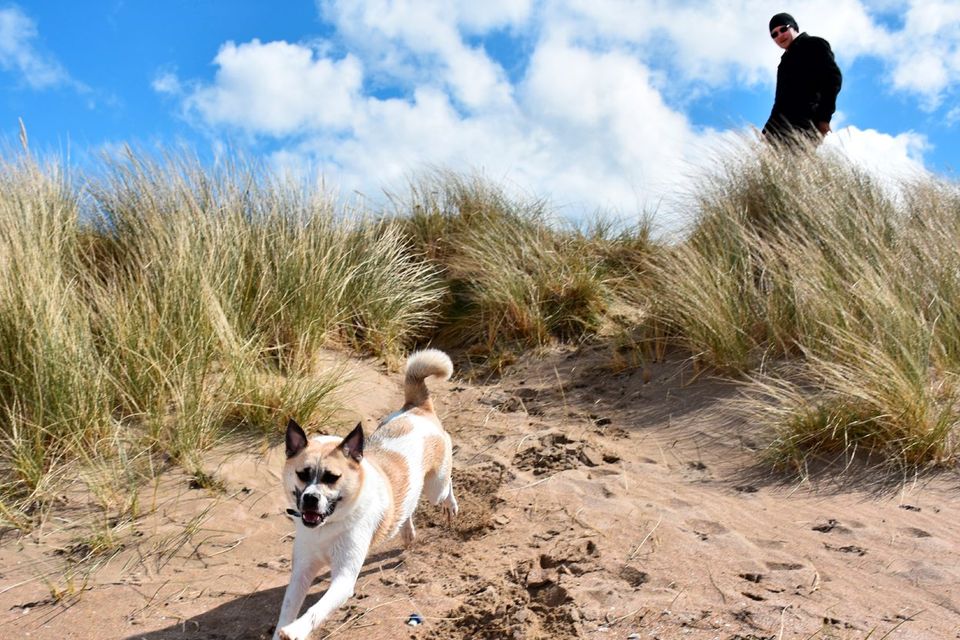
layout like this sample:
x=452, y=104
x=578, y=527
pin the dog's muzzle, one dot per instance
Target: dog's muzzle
x=310, y=513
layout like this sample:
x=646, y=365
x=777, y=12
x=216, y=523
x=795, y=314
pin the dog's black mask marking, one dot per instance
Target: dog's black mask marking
x=307, y=475
x=313, y=475
x=310, y=476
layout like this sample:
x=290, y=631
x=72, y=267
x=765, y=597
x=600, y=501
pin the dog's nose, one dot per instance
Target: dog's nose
x=311, y=500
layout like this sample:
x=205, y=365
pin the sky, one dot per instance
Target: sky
x=610, y=106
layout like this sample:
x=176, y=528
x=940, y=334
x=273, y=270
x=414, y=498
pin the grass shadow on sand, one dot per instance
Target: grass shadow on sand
x=841, y=473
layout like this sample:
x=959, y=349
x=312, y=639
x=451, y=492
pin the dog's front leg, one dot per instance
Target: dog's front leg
x=305, y=569
x=343, y=577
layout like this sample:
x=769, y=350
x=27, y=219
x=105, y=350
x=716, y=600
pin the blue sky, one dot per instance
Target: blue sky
x=613, y=105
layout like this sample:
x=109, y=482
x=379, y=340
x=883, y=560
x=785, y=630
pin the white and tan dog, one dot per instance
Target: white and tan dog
x=348, y=496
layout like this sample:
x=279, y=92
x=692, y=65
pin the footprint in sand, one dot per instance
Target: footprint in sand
x=697, y=472
x=852, y=548
x=784, y=566
x=769, y=544
x=705, y=528
x=831, y=526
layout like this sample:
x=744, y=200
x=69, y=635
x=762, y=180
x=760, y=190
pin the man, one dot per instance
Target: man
x=808, y=81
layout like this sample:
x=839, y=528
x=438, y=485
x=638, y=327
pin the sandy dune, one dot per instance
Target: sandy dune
x=593, y=505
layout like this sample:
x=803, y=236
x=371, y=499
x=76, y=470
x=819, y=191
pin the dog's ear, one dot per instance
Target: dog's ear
x=352, y=445
x=296, y=438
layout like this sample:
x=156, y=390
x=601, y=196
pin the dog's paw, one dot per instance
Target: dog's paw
x=450, y=508
x=407, y=533
x=293, y=631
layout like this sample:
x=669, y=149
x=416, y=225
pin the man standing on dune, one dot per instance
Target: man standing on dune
x=808, y=81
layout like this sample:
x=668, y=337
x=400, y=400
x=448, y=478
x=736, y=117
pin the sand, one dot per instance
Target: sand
x=594, y=504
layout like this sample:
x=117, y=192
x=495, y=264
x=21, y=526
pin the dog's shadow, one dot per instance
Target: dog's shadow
x=253, y=617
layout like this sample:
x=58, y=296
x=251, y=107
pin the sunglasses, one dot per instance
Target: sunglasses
x=779, y=30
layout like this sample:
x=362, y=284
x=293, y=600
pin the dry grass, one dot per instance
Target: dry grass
x=162, y=305
x=803, y=258
x=517, y=277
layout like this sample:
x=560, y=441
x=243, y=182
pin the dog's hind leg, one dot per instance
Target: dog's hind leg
x=439, y=489
x=449, y=503
x=407, y=532
x=437, y=484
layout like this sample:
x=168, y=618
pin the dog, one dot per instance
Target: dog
x=348, y=495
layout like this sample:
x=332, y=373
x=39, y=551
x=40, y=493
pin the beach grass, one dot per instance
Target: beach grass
x=160, y=305
x=156, y=305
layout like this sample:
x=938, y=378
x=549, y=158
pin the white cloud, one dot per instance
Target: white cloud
x=849, y=26
x=923, y=72
x=932, y=17
x=891, y=158
x=715, y=42
x=701, y=42
x=476, y=16
x=953, y=116
x=586, y=125
x=588, y=129
x=606, y=120
x=167, y=82
x=278, y=89
x=19, y=52
x=399, y=17
x=705, y=41
x=926, y=55
x=422, y=40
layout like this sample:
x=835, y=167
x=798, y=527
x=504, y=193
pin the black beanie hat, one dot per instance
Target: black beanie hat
x=782, y=19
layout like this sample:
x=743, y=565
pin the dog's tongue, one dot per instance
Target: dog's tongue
x=311, y=517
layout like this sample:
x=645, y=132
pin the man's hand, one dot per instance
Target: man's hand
x=823, y=128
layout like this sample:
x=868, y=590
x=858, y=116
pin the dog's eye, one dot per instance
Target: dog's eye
x=329, y=478
x=304, y=475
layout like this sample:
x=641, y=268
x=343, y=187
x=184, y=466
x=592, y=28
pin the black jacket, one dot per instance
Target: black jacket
x=808, y=81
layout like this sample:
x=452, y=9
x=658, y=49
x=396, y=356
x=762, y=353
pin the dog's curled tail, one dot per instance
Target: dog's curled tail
x=422, y=365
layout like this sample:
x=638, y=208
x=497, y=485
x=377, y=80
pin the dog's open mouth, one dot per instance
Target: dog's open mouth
x=314, y=518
